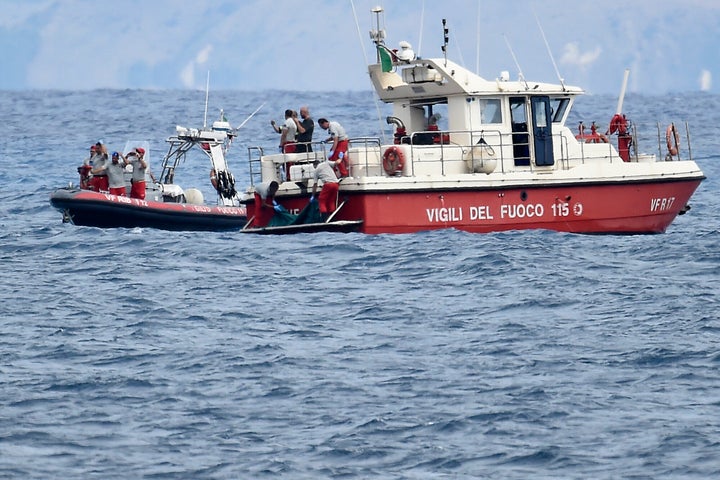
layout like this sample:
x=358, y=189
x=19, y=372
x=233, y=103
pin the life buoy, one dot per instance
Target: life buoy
x=671, y=135
x=393, y=160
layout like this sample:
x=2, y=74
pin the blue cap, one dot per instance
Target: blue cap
x=115, y=154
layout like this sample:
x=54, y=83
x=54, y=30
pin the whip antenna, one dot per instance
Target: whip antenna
x=207, y=94
x=357, y=26
x=522, y=77
x=552, y=59
x=477, y=54
x=248, y=118
x=422, y=24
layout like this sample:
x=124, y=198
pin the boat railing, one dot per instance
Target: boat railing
x=681, y=149
x=419, y=143
x=255, y=155
x=367, y=150
x=317, y=151
x=278, y=165
x=449, y=152
x=473, y=151
x=423, y=154
x=588, y=151
x=459, y=150
x=675, y=141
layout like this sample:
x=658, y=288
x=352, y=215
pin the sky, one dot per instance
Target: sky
x=317, y=45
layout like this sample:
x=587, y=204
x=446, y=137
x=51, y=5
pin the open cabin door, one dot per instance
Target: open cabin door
x=542, y=130
x=520, y=135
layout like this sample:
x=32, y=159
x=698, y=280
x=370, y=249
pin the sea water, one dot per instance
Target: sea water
x=140, y=353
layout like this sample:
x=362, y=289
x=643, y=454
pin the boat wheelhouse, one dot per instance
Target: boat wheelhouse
x=489, y=155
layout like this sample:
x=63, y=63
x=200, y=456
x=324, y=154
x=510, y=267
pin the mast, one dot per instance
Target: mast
x=445, y=39
x=377, y=34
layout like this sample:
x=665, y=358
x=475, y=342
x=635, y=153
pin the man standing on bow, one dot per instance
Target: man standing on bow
x=99, y=181
x=136, y=158
x=116, y=175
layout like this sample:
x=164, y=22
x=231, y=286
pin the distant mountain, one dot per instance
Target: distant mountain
x=314, y=45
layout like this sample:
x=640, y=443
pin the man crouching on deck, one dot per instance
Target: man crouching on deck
x=265, y=205
x=328, y=195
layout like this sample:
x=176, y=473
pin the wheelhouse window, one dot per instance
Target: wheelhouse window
x=540, y=116
x=490, y=111
x=558, y=106
x=517, y=111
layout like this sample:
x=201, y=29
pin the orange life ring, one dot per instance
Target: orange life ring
x=393, y=160
x=670, y=135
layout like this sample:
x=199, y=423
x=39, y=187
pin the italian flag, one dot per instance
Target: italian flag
x=385, y=58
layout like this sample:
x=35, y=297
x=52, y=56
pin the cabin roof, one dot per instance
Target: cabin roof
x=437, y=77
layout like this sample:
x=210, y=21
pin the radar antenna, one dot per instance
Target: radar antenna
x=377, y=35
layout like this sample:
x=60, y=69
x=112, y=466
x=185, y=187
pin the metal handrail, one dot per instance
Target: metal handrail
x=373, y=142
x=257, y=161
x=367, y=150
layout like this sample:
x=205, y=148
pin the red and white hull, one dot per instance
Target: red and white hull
x=626, y=208
x=593, y=208
x=483, y=156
